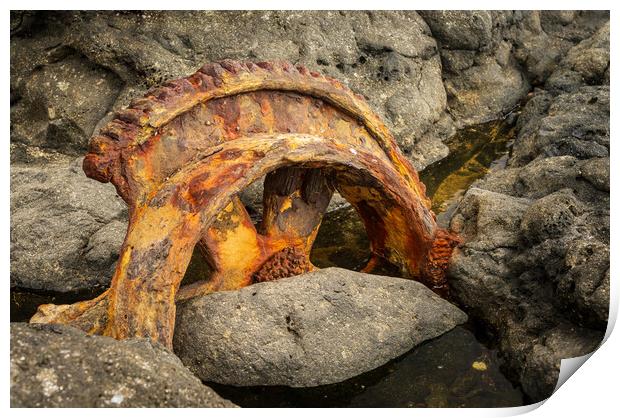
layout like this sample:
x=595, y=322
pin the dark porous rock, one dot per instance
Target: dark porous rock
x=542, y=39
x=534, y=263
x=60, y=366
x=66, y=229
x=491, y=58
x=551, y=216
x=60, y=104
x=542, y=362
x=71, y=69
x=318, y=328
x=456, y=29
x=585, y=63
x=596, y=171
x=575, y=124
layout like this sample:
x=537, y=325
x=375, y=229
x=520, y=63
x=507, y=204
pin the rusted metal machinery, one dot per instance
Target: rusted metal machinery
x=180, y=155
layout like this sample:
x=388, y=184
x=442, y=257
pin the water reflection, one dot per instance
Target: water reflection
x=474, y=151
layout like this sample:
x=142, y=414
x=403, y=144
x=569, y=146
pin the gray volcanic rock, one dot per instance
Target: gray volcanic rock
x=66, y=229
x=543, y=39
x=319, y=328
x=60, y=366
x=481, y=77
x=60, y=104
x=585, y=63
x=534, y=264
x=97, y=61
x=459, y=29
x=575, y=124
x=491, y=58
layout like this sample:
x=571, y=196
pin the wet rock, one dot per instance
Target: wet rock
x=66, y=229
x=542, y=363
x=431, y=146
x=519, y=271
x=319, y=328
x=60, y=366
x=453, y=370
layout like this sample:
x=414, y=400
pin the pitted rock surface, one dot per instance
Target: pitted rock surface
x=317, y=328
x=59, y=366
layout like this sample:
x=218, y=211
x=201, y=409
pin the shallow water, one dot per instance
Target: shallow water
x=453, y=370
x=474, y=151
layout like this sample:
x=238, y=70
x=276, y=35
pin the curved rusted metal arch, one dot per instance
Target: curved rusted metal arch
x=170, y=212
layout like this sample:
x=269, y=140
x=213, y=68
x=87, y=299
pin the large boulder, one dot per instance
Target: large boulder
x=59, y=366
x=66, y=229
x=319, y=328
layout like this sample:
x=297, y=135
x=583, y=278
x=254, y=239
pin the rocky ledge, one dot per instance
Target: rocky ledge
x=534, y=265
x=314, y=329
